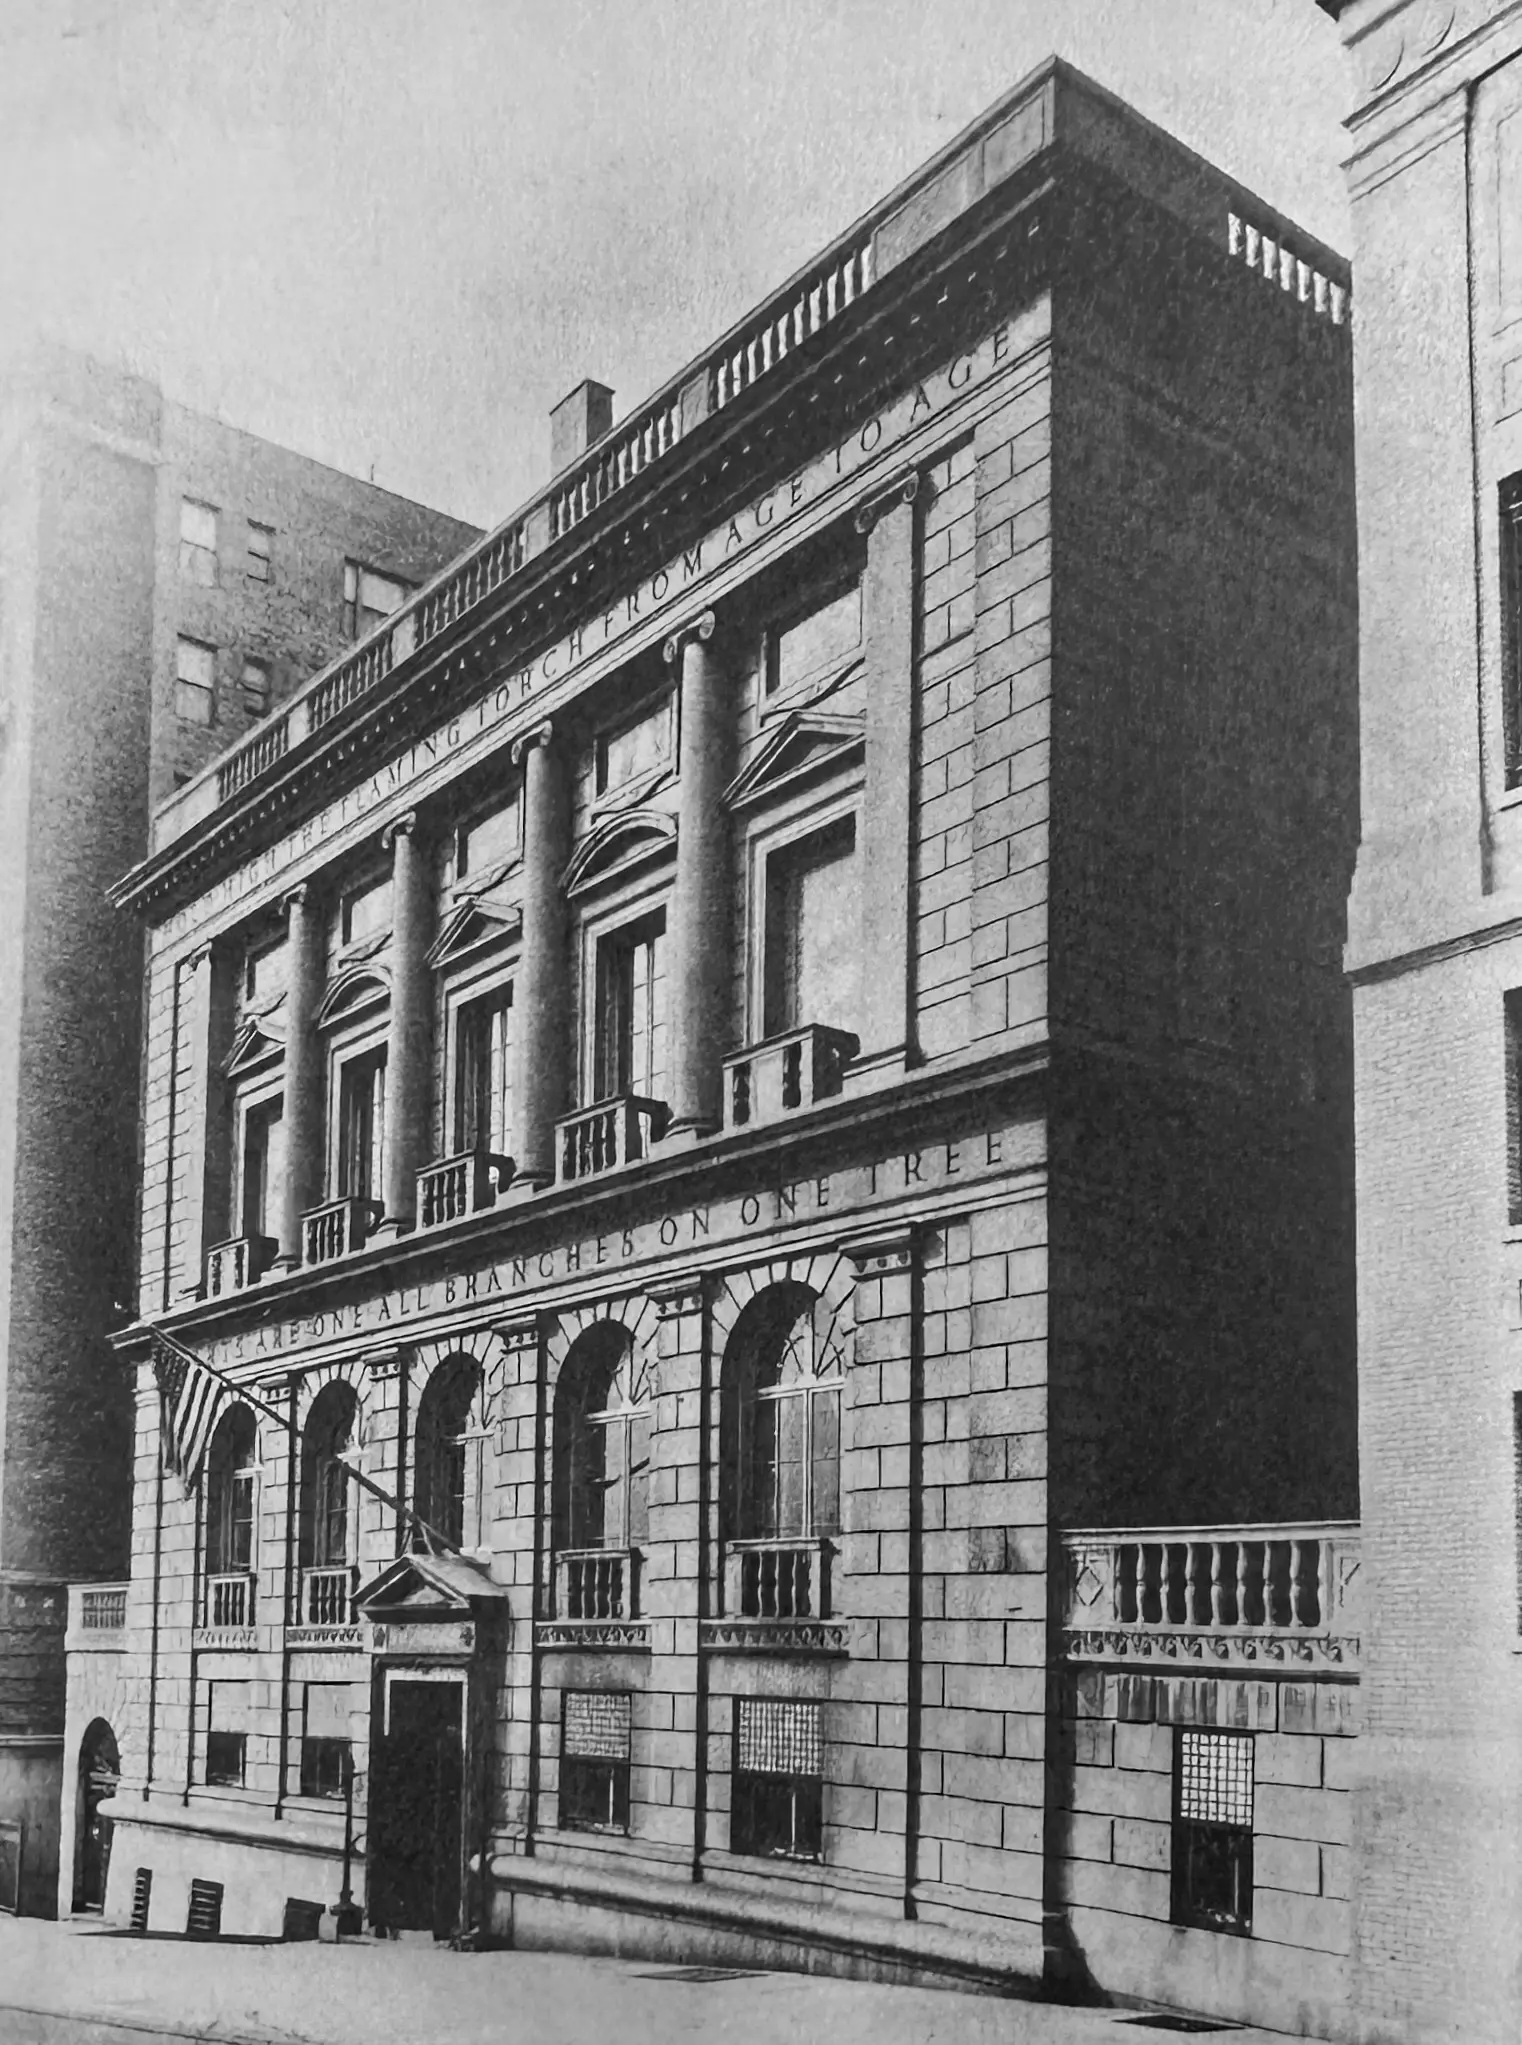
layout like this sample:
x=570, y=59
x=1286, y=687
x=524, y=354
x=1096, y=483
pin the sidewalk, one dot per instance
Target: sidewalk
x=413, y=1995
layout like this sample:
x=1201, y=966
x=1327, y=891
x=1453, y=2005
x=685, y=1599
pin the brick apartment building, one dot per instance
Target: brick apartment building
x=1435, y=957
x=769, y=1055
x=164, y=580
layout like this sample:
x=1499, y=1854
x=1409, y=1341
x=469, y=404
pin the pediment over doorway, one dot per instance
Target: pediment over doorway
x=428, y=1587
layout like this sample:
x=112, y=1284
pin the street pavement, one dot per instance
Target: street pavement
x=64, y=1985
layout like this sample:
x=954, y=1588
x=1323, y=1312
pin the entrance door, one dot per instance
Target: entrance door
x=99, y=1768
x=415, y=1811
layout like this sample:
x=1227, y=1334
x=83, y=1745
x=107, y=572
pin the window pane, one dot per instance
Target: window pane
x=192, y=705
x=483, y=1074
x=361, y=1134
x=824, y=1458
x=261, y=542
x=367, y=912
x=632, y=1011
x=813, y=642
x=615, y=1480
x=198, y=523
x=195, y=663
x=256, y=687
x=646, y=743
x=790, y=1432
x=758, y=1518
x=488, y=842
x=263, y=1169
x=813, y=916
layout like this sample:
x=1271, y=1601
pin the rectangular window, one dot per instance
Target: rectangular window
x=947, y=596
x=227, y=1710
x=631, y=1010
x=368, y=597
x=1511, y=623
x=594, y=1761
x=195, y=687
x=489, y=842
x=264, y=974
x=325, y=1745
x=263, y=1183
x=362, y=1126
x=484, y=1073
x=635, y=747
x=198, y=542
x=366, y=913
x=256, y=687
x=1212, y=1830
x=261, y=550
x=811, y=970
x=230, y=1534
x=777, y=1795
x=814, y=641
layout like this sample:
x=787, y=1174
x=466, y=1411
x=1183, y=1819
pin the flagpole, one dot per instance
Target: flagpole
x=436, y=1541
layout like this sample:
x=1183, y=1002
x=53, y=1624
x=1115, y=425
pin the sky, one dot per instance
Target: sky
x=393, y=233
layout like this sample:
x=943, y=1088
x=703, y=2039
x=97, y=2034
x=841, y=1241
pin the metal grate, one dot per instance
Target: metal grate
x=204, y=1918
x=142, y=1891
x=1215, y=1778
x=596, y=1725
x=779, y=1737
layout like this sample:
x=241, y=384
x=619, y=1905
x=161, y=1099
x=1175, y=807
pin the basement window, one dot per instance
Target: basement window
x=1212, y=1831
x=594, y=1761
x=777, y=1793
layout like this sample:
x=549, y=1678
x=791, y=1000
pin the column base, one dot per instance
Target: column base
x=870, y=1068
x=684, y=1134
x=389, y=1228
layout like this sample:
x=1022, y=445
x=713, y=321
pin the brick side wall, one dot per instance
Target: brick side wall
x=1205, y=790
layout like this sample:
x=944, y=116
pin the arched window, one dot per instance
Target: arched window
x=780, y=1454
x=449, y=1490
x=327, y=1544
x=602, y=1443
x=230, y=1494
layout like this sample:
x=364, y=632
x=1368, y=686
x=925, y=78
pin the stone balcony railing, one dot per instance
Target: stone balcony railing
x=327, y=1594
x=230, y=1600
x=1276, y=1598
x=597, y=1583
x=784, y=1073
x=97, y=1618
x=606, y=1135
x=455, y=1187
x=238, y=1263
x=337, y=1228
x=786, y=1579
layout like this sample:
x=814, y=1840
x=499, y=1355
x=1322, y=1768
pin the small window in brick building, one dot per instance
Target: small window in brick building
x=256, y=687
x=1212, y=1830
x=777, y=1790
x=195, y=688
x=947, y=592
x=198, y=542
x=261, y=548
x=1511, y=623
x=594, y=1761
x=369, y=596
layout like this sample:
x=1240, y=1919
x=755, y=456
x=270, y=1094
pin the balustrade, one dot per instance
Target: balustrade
x=237, y=1263
x=1247, y=1593
x=784, y=1073
x=325, y=1596
x=615, y=462
x=336, y=1229
x=777, y=1579
x=611, y=1133
x=1265, y=253
x=596, y=1583
x=230, y=1600
x=780, y=331
x=458, y=1186
x=267, y=745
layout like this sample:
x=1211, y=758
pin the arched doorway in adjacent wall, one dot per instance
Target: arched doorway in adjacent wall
x=99, y=1768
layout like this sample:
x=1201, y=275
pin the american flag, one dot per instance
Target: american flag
x=193, y=1398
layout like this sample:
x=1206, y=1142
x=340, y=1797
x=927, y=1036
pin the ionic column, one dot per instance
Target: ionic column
x=542, y=1015
x=698, y=934
x=409, y=1036
x=303, y=1102
x=887, y=815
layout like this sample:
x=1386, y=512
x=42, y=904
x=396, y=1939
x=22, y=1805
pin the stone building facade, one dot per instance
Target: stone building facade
x=1435, y=957
x=767, y=1060
x=163, y=581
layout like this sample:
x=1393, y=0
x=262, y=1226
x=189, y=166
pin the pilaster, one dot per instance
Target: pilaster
x=303, y=1104
x=540, y=996
x=409, y=1039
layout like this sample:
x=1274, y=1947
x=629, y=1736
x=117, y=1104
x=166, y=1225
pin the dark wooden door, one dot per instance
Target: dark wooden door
x=415, y=1811
x=99, y=1768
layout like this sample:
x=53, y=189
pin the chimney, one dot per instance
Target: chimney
x=577, y=421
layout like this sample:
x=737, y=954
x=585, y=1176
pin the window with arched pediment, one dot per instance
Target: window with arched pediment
x=602, y=1430
x=780, y=1419
x=449, y=1488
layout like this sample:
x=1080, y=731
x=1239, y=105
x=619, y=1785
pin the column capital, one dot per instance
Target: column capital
x=200, y=956
x=384, y=1363
x=685, y=1292
x=298, y=897
x=902, y=490
x=518, y=1331
x=701, y=627
x=404, y=826
x=887, y=1249
x=537, y=735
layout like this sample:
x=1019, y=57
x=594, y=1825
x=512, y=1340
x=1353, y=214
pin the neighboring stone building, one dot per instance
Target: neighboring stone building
x=770, y=1056
x=163, y=581
x=1435, y=956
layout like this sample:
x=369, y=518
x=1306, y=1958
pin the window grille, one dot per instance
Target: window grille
x=142, y=1897
x=1215, y=1778
x=779, y=1737
x=596, y=1725
x=204, y=1917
